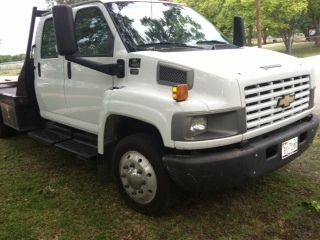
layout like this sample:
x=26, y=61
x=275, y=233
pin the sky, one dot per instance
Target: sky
x=15, y=17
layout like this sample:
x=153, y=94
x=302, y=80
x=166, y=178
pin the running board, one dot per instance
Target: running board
x=82, y=144
x=81, y=149
x=51, y=135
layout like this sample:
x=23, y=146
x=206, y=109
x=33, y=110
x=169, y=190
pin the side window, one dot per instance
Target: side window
x=48, y=44
x=93, y=34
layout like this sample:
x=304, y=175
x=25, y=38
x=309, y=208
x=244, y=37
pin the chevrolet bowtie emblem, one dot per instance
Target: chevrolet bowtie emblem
x=286, y=101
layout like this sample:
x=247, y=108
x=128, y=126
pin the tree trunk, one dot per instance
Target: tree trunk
x=250, y=36
x=290, y=45
x=288, y=41
x=317, y=36
x=264, y=37
x=259, y=23
x=317, y=40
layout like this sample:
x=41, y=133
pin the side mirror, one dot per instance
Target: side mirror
x=238, y=32
x=64, y=29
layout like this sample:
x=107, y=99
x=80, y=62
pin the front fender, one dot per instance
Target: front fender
x=130, y=103
x=153, y=106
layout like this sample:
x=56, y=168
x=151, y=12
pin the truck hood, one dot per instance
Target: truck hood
x=229, y=63
x=220, y=76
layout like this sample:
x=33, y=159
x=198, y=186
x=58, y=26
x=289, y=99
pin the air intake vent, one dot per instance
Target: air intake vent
x=168, y=75
x=224, y=46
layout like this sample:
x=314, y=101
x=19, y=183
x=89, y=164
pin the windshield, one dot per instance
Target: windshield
x=148, y=25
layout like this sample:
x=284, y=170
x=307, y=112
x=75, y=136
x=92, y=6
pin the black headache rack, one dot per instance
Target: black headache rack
x=18, y=101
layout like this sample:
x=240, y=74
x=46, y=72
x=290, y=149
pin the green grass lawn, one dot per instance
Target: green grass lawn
x=300, y=49
x=14, y=72
x=46, y=193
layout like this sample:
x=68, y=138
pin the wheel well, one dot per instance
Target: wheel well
x=118, y=127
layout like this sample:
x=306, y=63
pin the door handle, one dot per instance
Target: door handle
x=39, y=69
x=69, y=70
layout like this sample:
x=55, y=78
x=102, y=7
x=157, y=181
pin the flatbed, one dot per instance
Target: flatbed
x=8, y=85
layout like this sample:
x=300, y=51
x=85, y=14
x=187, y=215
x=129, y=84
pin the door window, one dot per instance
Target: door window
x=93, y=34
x=48, y=44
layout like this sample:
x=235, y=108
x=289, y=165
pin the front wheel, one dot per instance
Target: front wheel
x=140, y=175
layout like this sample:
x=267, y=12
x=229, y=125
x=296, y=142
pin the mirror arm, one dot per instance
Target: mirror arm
x=116, y=69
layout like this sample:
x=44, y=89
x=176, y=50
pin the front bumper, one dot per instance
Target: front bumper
x=229, y=167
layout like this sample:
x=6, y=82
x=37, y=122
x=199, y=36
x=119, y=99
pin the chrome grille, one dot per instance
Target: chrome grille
x=262, y=100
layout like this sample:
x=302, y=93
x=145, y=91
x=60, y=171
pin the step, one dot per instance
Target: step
x=89, y=139
x=82, y=149
x=51, y=135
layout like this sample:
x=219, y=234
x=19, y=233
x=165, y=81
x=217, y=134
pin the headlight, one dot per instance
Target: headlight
x=198, y=125
x=207, y=126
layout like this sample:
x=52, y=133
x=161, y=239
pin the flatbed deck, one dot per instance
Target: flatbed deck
x=8, y=79
x=8, y=86
x=8, y=89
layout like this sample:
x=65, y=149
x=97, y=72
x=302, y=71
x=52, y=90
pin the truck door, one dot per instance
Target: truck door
x=84, y=87
x=49, y=74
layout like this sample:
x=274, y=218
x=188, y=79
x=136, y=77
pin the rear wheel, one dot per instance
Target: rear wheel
x=140, y=175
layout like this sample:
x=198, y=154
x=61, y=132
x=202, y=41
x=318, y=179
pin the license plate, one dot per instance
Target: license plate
x=289, y=147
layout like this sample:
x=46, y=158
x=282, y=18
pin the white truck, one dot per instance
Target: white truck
x=160, y=98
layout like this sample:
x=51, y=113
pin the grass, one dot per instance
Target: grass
x=13, y=72
x=48, y=194
x=300, y=49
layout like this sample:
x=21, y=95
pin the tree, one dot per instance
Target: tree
x=306, y=25
x=11, y=58
x=208, y=8
x=244, y=8
x=314, y=12
x=284, y=17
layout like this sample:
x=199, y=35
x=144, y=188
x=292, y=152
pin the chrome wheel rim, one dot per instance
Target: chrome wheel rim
x=138, y=177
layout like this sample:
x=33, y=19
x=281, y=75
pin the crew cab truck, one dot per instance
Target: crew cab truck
x=160, y=98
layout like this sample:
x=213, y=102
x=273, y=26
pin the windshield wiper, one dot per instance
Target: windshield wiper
x=211, y=42
x=164, y=44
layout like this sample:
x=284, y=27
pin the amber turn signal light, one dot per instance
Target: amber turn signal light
x=180, y=92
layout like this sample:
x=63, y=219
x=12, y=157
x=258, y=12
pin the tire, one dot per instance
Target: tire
x=140, y=176
x=5, y=131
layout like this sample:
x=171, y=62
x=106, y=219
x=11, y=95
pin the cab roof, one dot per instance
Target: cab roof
x=113, y=1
